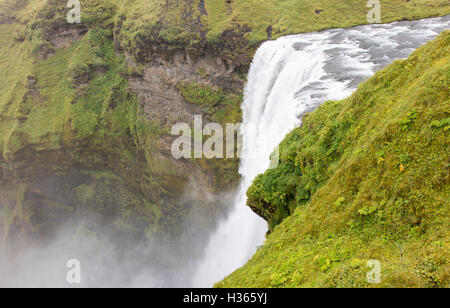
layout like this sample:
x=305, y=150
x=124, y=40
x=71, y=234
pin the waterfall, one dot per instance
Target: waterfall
x=289, y=77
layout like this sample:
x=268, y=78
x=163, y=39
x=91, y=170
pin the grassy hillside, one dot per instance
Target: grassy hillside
x=364, y=178
x=211, y=21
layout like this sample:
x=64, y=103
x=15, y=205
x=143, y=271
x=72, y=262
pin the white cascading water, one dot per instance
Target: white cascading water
x=289, y=77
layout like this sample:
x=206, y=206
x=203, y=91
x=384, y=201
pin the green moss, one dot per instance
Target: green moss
x=80, y=92
x=202, y=95
x=369, y=179
x=221, y=105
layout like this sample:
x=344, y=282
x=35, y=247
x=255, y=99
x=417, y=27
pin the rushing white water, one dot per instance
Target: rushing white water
x=288, y=77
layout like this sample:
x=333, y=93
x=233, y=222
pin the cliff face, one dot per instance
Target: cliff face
x=363, y=178
x=86, y=109
x=85, y=127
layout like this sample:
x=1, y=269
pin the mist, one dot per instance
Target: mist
x=108, y=259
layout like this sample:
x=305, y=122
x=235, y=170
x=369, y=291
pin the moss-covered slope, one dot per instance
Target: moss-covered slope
x=364, y=178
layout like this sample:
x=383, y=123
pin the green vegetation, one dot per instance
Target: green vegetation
x=49, y=101
x=222, y=106
x=363, y=178
x=65, y=109
x=234, y=26
x=292, y=16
